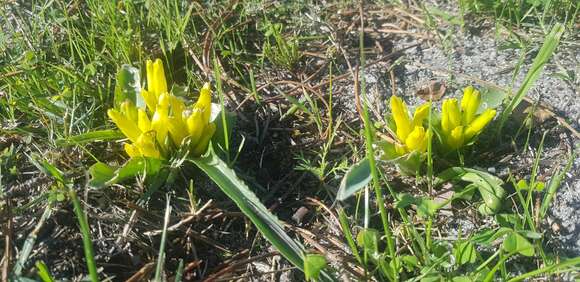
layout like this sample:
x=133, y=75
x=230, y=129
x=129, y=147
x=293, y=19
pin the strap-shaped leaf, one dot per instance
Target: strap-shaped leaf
x=250, y=205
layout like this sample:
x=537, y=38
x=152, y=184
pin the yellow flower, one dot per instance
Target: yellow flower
x=460, y=123
x=152, y=131
x=410, y=133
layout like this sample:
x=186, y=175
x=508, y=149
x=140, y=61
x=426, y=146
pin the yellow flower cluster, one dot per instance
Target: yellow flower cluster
x=460, y=124
x=164, y=120
x=411, y=134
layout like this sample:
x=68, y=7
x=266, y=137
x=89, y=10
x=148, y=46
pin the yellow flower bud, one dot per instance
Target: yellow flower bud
x=143, y=120
x=177, y=107
x=420, y=114
x=201, y=146
x=479, y=123
x=177, y=130
x=161, y=119
x=456, y=138
x=195, y=126
x=203, y=103
x=150, y=99
x=127, y=127
x=451, y=116
x=469, y=104
x=146, y=145
x=156, y=83
x=417, y=140
x=401, y=117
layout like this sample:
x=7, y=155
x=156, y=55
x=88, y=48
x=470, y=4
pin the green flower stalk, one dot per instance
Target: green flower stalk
x=460, y=123
x=164, y=120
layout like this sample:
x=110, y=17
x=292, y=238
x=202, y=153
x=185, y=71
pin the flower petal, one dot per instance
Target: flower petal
x=401, y=117
x=456, y=138
x=417, y=139
x=479, y=123
x=469, y=105
x=201, y=146
x=128, y=127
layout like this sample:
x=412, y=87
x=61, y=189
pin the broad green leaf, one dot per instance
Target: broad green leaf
x=426, y=207
x=270, y=227
x=488, y=185
x=356, y=178
x=103, y=175
x=465, y=252
x=100, y=173
x=410, y=262
x=99, y=135
x=128, y=86
x=491, y=98
x=313, y=264
x=516, y=243
x=368, y=240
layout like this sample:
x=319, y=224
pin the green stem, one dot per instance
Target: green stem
x=86, y=235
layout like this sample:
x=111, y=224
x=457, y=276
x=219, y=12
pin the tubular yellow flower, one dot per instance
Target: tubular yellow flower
x=128, y=127
x=479, y=123
x=201, y=146
x=451, y=116
x=195, y=126
x=461, y=125
x=417, y=139
x=156, y=83
x=148, y=129
x=143, y=120
x=469, y=104
x=161, y=118
x=146, y=145
x=401, y=117
x=411, y=134
x=456, y=138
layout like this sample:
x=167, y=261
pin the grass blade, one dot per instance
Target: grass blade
x=86, y=234
x=30, y=241
x=542, y=58
x=161, y=259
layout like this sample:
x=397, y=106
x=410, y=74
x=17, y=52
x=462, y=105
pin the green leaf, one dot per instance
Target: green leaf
x=516, y=243
x=128, y=86
x=488, y=236
x=99, y=135
x=426, y=207
x=100, y=173
x=491, y=98
x=488, y=185
x=368, y=239
x=270, y=227
x=465, y=252
x=356, y=178
x=46, y=167
x=313, y=264
x=410, y=262
x=103, y=175
x=43, y=272
x=461, y=279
